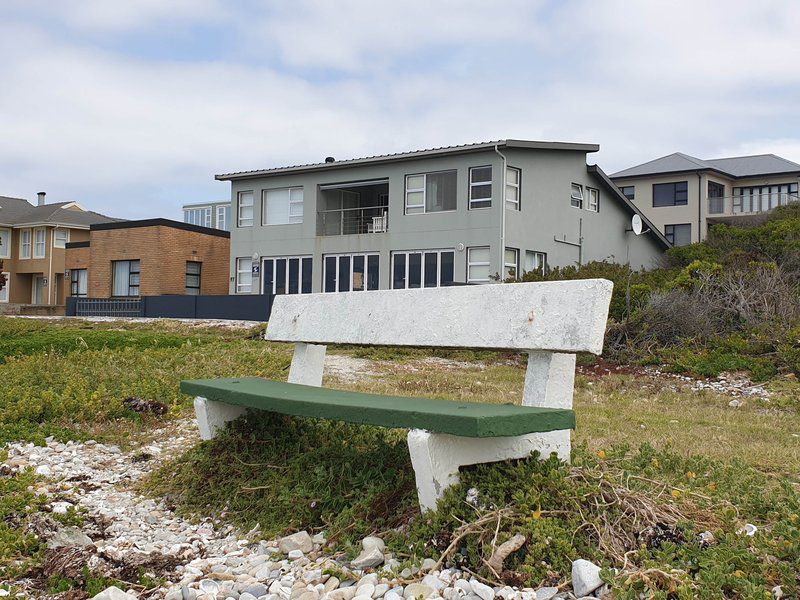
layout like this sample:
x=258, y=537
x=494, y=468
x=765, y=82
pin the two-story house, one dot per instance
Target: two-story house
x=474, y=213
x=33, y=240
x=683, y=195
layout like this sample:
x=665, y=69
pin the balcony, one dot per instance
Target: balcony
x=353, y=208
x=748, y=205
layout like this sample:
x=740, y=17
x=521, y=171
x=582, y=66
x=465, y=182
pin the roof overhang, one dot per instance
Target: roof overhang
x=703, y=170
x=49, y=224
x=413, y=155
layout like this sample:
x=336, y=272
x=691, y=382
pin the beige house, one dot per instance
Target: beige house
x=33, y=242
x=683, y=195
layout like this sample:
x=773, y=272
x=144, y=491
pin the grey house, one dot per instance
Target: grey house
x=474, y=213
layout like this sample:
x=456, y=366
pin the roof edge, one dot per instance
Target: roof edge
x=160, y=222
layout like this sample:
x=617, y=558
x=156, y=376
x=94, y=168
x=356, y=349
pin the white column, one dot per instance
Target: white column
x=308, y=364
x=212, y=416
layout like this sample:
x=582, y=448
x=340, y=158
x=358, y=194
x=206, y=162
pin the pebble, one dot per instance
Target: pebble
x=418, y=590
x=481, y=589
x=297, y=541
x=585, y=577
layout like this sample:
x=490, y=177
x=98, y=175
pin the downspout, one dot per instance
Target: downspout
x=50, y=268
x=503, y=213
x=700, y=206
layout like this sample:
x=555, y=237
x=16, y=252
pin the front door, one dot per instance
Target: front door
x=37, y=296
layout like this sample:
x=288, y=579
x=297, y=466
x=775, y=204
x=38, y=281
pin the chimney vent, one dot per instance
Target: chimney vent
x=329, y=159
x=41, y=196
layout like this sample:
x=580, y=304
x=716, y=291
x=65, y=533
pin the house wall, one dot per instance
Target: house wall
x=546, y=210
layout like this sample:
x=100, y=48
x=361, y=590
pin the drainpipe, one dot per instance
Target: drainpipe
x=50, y=268
x=700, y=206
x=503, y=213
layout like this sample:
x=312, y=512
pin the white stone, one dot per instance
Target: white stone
x=367, y=559
x=380, y=590
x=418, y=590
x=113, y=593
x=546, y=593
x=61, y=508
x=481, y=589
x=585, y=577
x=297, y=541
x=213, y=416
x=434, y=582
x=365, y=590
x=392, y=595
x=295, y=554
x=44, y=470
x=371, y=541
x=463, y=585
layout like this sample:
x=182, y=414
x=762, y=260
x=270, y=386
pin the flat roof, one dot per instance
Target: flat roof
x=161, y=223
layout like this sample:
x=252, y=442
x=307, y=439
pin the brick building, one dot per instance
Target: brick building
x=151, y=257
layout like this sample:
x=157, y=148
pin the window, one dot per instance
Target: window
x=592, y=199
x=422, y=268
x=351, y=272
x=39, y=242
x=478, y=264
x=25, y=243
x=4, y=291
x=223, y=217
x=480, y=187
x=431, y=192
x=576, y=196
x=193, y=269
x=287, y=275
x=244, y=275
x=244, y=208
x=61, y=238
x=678, y=235
x=762, y=198
x=513, y=177
x=629, y=191
x=670, y=194
x=535, y=261
x=511, y=263
x=79, y=283
x=125, y=278
x=198, y=216
x=5, y=243
x=282, y=207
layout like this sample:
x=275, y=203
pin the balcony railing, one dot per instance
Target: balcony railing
x=349, y=221
x=749, y=205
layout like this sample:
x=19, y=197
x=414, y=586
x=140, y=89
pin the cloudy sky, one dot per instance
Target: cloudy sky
x=131, y=107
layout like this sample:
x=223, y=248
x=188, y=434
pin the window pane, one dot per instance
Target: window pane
x=416, y=210
x=294, y=275
x=268, y=275
x=121, y=274
x=447, y=268
x=512, y=176
x=480, y=174
x=330, y=274
x=280, y=276
x=512, y=193
x=414, y=198
x=306, y=276
x=399, y=275
x=193, y=267
x=440, y=191
x=344, y=274
x=276, y=207
x=296, y=195
x=414, y=270
x=358, y=273
x=479, y=254
x=480, y=192
x=431, y=269
x=415, y=182
x=373, y=277
x=478, y=273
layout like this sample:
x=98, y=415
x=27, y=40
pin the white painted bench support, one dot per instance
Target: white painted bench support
x=436, y=457
x=308, y=364
x=213, y=416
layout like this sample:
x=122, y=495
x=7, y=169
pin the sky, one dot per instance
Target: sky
x=131, y=107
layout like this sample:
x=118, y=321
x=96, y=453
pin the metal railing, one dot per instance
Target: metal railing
x=749, y=205
x=348, y=221
x=108, y=307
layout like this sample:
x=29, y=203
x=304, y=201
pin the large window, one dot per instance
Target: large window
x=282, y=207
x=351, y=272
x=244, y=275
x=576, y=196
x=671, y=194
x=5, y=243
x=678, y=235
x=224, y=217
x=287, y=275
x=480, y=187
x=39, y=242
x=60, y=238
x=79, y=283
x=244, y=209
x=478, y=264
x=200, y=215
x=629, y=191
x=25, y=243
x=511, y=263
x=193, y=271
x=126, y=276
x=422, y=268
x=513, y=183
x=431, y=192
x=535, y=261
x=762, y=198
x=592, y=199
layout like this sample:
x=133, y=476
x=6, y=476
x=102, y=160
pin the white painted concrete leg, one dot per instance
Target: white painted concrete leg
x=308, y=364
x=549, y=380
x=436, y=457
x=213, y=416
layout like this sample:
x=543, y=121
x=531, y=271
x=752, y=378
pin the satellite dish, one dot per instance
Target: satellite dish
x=636, y=224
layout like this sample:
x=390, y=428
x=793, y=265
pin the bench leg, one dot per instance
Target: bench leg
x=436, y=457
x=212, y=416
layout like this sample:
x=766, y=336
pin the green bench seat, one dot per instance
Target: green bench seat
x=466, y=419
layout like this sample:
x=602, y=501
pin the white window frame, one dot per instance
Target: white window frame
x=592, y=199
x=542, y=259
x=273, y=260
x=516, y=188
x=507, y=265
x=576, y=195
x=75, y=279
x=5, y=293
x=23, y=254
x=5, y=249
x=240, y=287
x=471, y=263
x=37, y=243
x=366, y=256
x=423, y=210
x=198, y=215
x=245, y=221
x=295, y=218
x=60, y=243
x=480, y=183
x=221, y=218
x=406, y=253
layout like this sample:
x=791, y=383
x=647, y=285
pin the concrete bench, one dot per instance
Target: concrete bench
x=550, y=321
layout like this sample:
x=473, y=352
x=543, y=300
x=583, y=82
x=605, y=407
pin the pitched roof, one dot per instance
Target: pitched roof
x=735, y=166
x=18, y=211
x=428, y=152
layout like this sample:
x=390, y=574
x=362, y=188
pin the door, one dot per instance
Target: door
x=37, y=295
